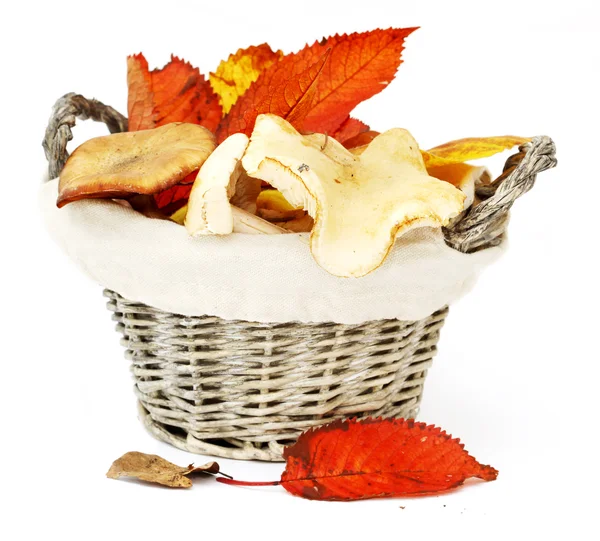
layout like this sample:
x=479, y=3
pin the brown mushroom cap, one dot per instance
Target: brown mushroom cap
x=141, y=162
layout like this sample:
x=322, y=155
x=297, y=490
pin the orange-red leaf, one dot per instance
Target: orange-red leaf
x=140, y=104
x=176, y=93
x=363, y=138
x=361, y=65
x=375, y=458
x=350, y=128
x=470, y=148
x=176, y=196
x=286, y=89
x=235, y=75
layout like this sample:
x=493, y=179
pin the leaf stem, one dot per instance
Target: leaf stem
x=248, y=483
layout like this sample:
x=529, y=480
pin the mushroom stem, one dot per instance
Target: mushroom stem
x=244, y=222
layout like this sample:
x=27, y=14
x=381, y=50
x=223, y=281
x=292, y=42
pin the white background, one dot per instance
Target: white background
x=517, y=373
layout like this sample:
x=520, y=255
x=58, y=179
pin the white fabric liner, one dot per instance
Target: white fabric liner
x=265, y=278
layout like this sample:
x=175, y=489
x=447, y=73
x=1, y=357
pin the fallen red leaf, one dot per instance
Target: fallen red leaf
x=286, y=89
x=375, y=458
x=176, y=93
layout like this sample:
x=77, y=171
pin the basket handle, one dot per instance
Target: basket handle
x=482, y=226
x=64, y=113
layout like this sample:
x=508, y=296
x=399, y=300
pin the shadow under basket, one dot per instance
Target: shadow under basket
x=244, y=390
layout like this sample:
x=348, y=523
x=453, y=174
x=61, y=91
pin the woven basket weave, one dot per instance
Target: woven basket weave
x=239, y=389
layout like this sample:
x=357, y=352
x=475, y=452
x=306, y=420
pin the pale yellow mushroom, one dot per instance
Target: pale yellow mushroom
x=359, y=203
x=140, y=162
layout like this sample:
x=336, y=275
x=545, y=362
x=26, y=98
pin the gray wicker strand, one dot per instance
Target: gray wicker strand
x=244, y=390
x=62, y=119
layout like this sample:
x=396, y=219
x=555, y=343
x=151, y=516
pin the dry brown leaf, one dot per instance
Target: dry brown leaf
x=154, y=469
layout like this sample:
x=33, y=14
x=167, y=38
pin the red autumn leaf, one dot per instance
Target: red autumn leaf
x=351, y=127
x=363, y=138
x=375, y=458
x=361, y=65
x=286, y=89
x=176, y=196
x=176, y=93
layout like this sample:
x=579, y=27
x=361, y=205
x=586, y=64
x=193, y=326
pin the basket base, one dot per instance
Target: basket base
x=245, y=390
x=235, y=449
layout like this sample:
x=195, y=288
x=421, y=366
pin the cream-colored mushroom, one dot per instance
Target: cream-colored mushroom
x=245, y=222
x=209, y=211
x=141, y=162
x=359, y=203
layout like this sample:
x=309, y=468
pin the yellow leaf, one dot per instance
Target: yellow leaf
x=471, y=148
x=239, y=71
x=179, y=215
x=274, y=200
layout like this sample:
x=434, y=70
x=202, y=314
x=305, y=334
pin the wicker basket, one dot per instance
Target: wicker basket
x=239, y=389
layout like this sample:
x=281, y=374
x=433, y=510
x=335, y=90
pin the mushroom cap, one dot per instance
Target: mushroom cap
x=360, y=203
x=140, y=162
x=209, y=210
